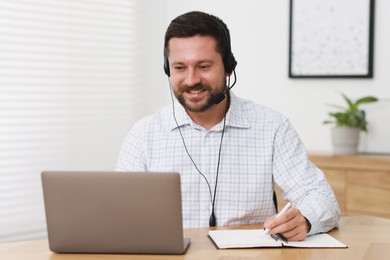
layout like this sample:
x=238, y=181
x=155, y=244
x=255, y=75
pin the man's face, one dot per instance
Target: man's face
x=197, y=71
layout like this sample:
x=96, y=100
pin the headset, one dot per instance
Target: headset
x=230, y=64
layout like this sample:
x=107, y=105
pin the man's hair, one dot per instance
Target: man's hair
x=203, y=24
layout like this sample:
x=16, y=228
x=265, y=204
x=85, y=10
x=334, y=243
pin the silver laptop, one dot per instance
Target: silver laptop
x=113, y=212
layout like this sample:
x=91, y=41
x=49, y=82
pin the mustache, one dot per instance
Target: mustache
x=195, y=87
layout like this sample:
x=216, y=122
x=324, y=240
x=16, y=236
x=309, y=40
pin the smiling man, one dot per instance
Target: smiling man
x=229, y=151
x=197, y=72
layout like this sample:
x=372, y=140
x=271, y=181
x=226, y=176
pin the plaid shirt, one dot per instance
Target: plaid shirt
x=260, y=148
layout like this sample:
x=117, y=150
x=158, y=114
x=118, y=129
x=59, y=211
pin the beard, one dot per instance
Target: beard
x=195, y=104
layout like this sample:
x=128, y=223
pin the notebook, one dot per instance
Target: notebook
x=252, y=238
x=113, y=212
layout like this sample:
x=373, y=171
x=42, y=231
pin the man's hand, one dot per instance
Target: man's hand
x=292, y=225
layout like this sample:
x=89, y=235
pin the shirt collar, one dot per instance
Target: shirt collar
x=236, y=116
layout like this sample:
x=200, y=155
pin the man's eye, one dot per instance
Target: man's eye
x=179, y=67
x=204, y=67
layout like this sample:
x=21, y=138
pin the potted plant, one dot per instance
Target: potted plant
x=349, y=121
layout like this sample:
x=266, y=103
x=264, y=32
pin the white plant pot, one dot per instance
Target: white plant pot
x=345, y=140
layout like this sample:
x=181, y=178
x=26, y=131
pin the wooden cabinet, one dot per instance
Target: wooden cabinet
x=361, y=183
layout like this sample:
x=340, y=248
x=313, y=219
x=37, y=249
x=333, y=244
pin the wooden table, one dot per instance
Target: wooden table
x=366, y=238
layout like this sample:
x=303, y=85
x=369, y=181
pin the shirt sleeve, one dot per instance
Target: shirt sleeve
x=302, y=182
x=131, y=156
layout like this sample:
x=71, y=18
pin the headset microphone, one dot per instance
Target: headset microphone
x=218, y=98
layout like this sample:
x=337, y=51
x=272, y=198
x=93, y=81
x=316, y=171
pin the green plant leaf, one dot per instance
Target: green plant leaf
x=349, y=102
x=351, y=116
x=368, y=99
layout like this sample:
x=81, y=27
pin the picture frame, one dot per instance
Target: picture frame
x=331, y=38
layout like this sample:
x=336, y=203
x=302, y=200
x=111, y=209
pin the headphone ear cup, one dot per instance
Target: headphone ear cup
x=231, y=64
x=166, y=66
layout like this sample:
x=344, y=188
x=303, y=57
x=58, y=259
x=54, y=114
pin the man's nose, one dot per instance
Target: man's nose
x=192, y=77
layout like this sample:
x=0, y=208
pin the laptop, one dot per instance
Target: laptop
x=113, y=212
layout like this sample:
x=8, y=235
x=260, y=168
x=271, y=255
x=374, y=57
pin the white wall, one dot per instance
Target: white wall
x=259, y=31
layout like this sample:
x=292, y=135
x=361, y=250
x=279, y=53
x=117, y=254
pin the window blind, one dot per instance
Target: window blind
x=69, y=91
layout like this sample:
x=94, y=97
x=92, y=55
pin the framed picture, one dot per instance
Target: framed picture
x=331, y=38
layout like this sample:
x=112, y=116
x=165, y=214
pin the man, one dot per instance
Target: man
x=229, y=151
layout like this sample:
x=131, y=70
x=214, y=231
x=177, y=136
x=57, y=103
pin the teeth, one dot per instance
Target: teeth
x=196, y=91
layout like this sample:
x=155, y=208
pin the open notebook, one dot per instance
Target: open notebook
x=250, y=238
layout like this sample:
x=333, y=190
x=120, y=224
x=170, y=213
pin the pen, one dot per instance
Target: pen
x=288, y=205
